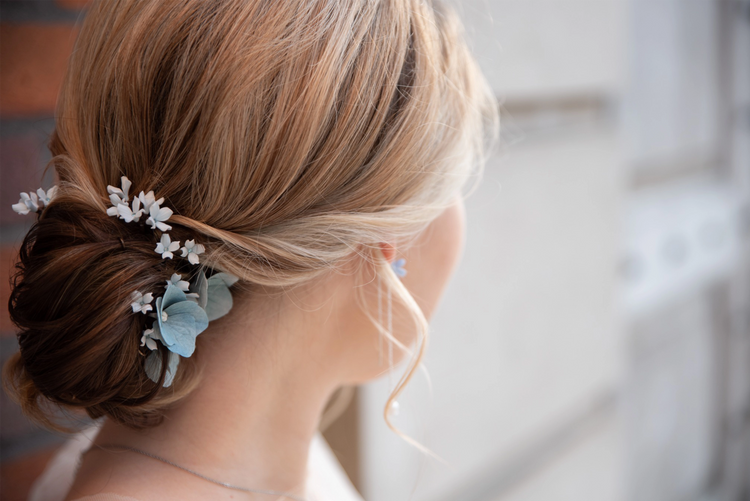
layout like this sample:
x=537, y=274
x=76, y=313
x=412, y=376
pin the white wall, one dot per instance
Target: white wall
x=547, y=48
x=526, y=334
x=549, y=382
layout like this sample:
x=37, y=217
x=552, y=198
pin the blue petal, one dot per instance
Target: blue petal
x=153, y=367
x=219, y=298
x=200, y=287
x=166, y=337
x=228, y=279
x=185, y=321
x=173, y=295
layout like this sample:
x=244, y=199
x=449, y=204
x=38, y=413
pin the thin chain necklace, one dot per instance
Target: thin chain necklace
x=199, y=475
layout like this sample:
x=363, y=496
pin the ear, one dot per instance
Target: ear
x=388, y=251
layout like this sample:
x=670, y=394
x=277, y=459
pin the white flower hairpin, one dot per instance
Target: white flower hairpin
x=144, y=203
x=141, y=302
x=191, y=250
x=166, y=246
x=34, y=202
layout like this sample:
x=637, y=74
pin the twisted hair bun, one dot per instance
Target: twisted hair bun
x=284, y=135
x=79, y=339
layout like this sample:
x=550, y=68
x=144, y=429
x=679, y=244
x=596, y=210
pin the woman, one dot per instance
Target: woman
x=258, y=203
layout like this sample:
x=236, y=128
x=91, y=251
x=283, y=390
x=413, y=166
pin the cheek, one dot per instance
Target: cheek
x=433, y=258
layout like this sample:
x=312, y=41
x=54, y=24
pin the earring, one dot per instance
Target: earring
x=398, y=267
x=391, y=376
x=380, y=320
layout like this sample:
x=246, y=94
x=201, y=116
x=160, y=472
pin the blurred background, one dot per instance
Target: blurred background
x=595, y=341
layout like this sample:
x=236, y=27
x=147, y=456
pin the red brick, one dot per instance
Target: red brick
x=17, y=476
x=33, y=58
x=21, y=170
x=73, y=4
x=8, y=256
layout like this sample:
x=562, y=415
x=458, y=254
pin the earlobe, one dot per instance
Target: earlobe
x=388, y=251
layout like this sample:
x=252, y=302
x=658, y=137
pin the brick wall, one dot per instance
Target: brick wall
x=36, y=38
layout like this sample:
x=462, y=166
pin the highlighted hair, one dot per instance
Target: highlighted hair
x=286, y=136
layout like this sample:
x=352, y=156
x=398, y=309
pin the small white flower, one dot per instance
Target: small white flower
x=183, y=285
x=46, y=198
x=157, y=216
x=177, y=281
x=22, y=207
x=191, y=251
x=166, y=247
x=129, y=214
x=120, y=195
x=147, y=339
x=119, y=198
x=29, y=202
x=140, y=302
x=148, y=199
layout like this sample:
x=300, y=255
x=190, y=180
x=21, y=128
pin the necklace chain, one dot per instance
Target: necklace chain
x=200, y=475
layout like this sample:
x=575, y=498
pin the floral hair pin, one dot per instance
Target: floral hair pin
x=187, y=306
x=34, y=202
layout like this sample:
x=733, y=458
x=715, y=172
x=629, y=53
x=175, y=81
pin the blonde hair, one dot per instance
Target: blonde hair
x=285, y=135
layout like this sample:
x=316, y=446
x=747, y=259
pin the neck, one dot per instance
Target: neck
x=251, y=421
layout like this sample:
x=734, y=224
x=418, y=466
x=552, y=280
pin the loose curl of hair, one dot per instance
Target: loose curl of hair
x=286, y=136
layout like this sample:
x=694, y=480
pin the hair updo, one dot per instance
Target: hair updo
x=282, y=134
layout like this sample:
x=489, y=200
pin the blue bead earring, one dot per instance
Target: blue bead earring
x=398, y=267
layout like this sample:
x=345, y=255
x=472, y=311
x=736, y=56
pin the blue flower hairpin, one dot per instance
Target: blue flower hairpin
x=186, y=307
x=181, y=316
x=398, y=267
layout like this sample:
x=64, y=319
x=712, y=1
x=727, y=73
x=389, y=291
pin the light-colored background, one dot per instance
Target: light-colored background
x=595, y=342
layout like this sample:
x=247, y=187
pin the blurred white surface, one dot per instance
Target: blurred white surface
x=679, y=238
x=527, y=333
x=546, y=48
x=595, y=341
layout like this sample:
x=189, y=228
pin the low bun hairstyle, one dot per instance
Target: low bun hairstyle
x=284, y=135
x=79, y=339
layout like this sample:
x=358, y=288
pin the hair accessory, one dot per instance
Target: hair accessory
x=166, y=246
x=141, y=302
x=182, y=313
x=34, y=202
x=191, y=251
x=186, y=307
x=144, y=203
x=398, y=267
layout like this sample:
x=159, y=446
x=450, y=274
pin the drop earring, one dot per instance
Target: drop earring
x=380, y=320
x=400, y=271
x=391, y=377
